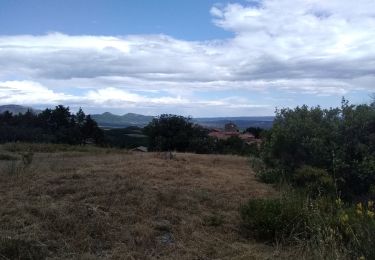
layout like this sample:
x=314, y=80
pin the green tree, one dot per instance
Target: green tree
x=171, y=132
x=256, y=131
x=338, y=140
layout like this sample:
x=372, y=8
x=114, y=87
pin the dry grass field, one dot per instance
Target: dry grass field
x=90, y=203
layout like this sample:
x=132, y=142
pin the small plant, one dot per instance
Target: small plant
x=7, y=157
x=13, y=168
x=27, y=158
x=214, y=220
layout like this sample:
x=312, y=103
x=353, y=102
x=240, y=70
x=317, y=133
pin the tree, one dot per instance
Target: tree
x=170, y=132
x=80, y=117
x=338, y=140
x=256, y=131
x=90, y=129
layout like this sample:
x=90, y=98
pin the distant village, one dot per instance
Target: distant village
x=230, y=129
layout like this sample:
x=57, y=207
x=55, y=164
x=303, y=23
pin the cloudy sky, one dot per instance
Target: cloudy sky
x=189, y=57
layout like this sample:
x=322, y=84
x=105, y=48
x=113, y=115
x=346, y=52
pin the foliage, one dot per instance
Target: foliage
x=57, y=125
x=7, y=157
x=340, y=141
x=129, y=137
x=273, y=219
x=314, y=180
x=172, y=132
x=322, y=228
x=264, y=173
x=214, y=220
x=256, y=131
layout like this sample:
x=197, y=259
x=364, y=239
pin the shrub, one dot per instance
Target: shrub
x=271, y=175
x=266, y=174
x=322, y=228
x=339, y=140
x=358, y=227
x=214, y=220
x=314, y=180
x=273, y=219
x=27, y=158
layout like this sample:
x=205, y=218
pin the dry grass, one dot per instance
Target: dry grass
x=92, y=204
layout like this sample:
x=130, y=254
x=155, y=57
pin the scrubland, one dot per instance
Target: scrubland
x=75, y=202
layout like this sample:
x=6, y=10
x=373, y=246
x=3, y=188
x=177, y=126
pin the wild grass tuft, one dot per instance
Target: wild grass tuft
x=7, y=157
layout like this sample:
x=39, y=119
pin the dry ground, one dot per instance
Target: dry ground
x=111, y=204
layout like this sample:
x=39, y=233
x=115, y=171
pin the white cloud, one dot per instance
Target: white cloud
x=29, y=92
x=33, y=93
x=315, y=47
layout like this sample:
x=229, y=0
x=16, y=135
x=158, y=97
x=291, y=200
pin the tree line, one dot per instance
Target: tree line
x=56, y=125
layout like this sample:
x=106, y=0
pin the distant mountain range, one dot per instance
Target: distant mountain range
x=109, y=120
x=242, y=123
x=16, y=109
x=115, y=121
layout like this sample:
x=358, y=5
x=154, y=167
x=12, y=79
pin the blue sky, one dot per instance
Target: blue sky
x=188, y=20
x=189, y=57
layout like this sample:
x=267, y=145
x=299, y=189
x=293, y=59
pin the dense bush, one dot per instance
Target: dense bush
x=321, y=228
x=273, y=219
x=314, y=180
x=340, y=141
x=326, y=155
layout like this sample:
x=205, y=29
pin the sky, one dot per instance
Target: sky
x=200, y=58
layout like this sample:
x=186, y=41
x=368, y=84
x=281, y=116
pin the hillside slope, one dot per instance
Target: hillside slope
x=111, y=120
x=98, y=204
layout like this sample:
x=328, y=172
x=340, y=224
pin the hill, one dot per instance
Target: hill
x=111, y=120
x=130, y=119
x=17, y=109
x=95, y=203
x=242, y=123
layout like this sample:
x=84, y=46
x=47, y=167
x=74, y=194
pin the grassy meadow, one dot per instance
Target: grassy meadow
x=83, y=202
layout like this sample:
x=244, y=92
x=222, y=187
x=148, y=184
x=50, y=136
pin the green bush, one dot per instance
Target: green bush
x=314, y=180
x=271, y=175
x=339, y=140
x=274, y=219
x=214, y=220
x=321, y=228
x=358, y=228
x=264, y=173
